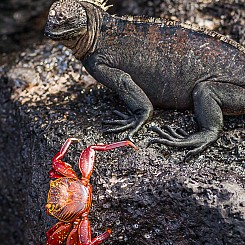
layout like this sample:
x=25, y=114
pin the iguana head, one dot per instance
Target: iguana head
x=76, y=24
x=66, y=20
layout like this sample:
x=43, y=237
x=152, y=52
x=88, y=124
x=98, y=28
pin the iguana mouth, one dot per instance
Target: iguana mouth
x=61, y=35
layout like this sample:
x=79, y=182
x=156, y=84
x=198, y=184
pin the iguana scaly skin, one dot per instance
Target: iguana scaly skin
x=155, y=63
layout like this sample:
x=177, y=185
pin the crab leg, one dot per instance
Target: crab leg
x=87, y=157
x=53, y=229
x=60, y=168
x=73, y=236
x=99, y=239
x=58, y=235
x=84, y=231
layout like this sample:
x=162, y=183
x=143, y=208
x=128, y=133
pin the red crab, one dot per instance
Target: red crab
x=70, y=198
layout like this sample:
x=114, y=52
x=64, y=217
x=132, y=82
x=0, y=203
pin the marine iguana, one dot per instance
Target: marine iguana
x=152, y=62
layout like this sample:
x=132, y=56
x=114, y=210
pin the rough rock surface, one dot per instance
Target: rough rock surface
x=149, y=196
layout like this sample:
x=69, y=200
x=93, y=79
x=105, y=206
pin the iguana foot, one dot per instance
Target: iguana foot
x=179, y=138
x=133, y=121
x=127, y=121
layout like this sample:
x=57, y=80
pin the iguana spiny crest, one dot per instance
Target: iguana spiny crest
x=99, y=3
x=68, y=19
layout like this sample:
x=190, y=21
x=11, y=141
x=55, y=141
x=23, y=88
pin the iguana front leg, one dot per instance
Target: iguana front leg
x=138, y=103
x=211, y=101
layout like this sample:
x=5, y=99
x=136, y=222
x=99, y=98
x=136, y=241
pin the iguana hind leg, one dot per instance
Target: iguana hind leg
x=211, y=101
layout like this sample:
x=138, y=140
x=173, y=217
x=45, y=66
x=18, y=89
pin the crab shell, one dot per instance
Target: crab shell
x=67, y=199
